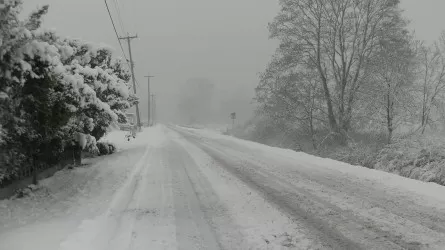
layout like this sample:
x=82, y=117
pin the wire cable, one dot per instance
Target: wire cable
x=116, y=5
x=115, y=31
x=119, y=40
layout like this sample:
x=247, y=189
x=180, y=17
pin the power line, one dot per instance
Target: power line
x=116, y=4
x=119, y=40
x=115, y=31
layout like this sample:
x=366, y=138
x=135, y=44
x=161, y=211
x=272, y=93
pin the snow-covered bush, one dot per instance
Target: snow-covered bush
x=91, y=145
x=354, y=153
x=420, y=157
x=111, y=148
x=106, y=148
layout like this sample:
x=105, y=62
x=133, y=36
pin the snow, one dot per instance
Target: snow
x=87, y=236
x=161, y=190
x=259, y=221
x=421, y=191
x=93, y=234
x=62, y=201
x=151, y=135
x=3, y=95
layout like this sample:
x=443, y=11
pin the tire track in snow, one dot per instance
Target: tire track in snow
x=329, y=236
x=241, y=217
x=123, y=237
x=285, y=196
x=96, y=234
x=227, y=233
x=155, y=222
x=192, y=229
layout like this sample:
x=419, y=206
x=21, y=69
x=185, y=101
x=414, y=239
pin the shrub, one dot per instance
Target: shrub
x=106, y=148
x=354, y=154
x=112, y=148
x=420, y=157
x=91, y=145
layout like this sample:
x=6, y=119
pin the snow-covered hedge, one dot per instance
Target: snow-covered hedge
x=420, y=157
x=52, y=88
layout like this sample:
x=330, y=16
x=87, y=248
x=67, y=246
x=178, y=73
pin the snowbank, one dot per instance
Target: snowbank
x=420, y=191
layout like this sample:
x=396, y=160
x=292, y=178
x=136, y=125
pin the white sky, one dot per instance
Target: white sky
x=225, y=41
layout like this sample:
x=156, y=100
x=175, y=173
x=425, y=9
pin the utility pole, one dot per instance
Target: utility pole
x=153, y=103
x=128, y=38
x=149, y=106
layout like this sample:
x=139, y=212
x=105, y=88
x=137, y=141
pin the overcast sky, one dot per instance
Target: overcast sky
x=225, y=41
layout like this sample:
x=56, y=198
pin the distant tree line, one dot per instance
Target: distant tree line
x=53, y=89
x=343, y=65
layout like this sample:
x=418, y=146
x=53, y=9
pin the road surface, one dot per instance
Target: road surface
x=183, y=188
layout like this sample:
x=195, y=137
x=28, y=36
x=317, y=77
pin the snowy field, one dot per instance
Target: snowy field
x=182, y=188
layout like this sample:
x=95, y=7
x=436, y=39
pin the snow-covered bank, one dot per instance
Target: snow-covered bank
x=55, y=210
x=425, y=192
x=416, y=156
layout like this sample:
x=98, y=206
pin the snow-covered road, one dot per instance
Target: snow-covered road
x=180, y=188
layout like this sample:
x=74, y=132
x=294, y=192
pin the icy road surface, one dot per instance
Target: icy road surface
x=180, y=188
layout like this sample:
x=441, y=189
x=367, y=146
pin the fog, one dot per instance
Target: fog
x=225, y=42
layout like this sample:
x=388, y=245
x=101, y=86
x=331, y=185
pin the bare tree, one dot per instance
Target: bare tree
x=292, y=96
x=432, y=83
x=392, y=77
x=338, y=38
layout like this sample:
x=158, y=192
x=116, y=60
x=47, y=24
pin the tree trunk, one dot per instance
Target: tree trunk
x=78, y=155
x=311, y=124
x=389, y=117
x=34, y=171
x=341, y=137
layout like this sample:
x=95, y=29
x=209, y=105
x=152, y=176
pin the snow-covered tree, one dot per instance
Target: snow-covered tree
x=24, y=60
x=51, y=89
x=105, y=76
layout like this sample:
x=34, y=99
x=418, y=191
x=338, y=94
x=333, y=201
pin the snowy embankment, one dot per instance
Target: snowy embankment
x=422, y=191
x=68, y=197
